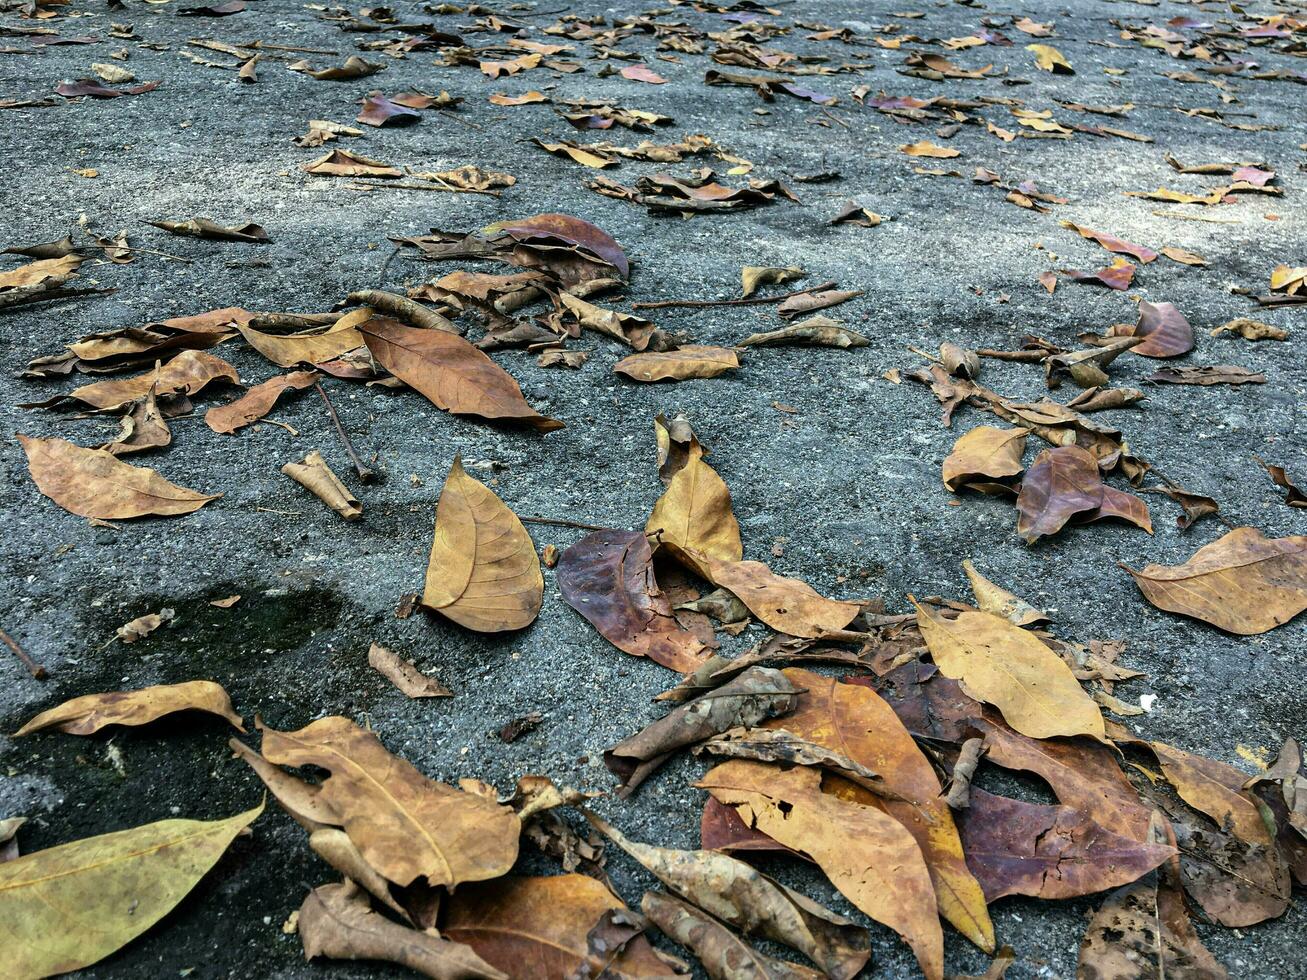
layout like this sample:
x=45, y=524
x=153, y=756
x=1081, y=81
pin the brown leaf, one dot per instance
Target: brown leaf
x=1049, y=58
x=811, y=302
x=204, y=228
x=1060, y=484
x=853, y=720
x=185, y=374
x=1165, y=330
x=689, y=361
x=302, y=800
x=93, y=483
x=1192, y=505
x=608, y=578
x=1251, y=330
x=404, y=675
x=343, y=163
x=1143, y=929
x=817, y=331
x=1216, y=374
x=540, y=927
x=314, y=475
x=1215, y=789
x=985, y=451
x=1183, y=255
x=142, y=428
x=143, y=626
x=925, y=148
x=635, y=331
x=694, y=513
x=91, y=712
x=1238, y=884
x=353, y=68
x=999, y=601
x=452, y=373
x=1118, y=275
x=1243, y=583
x=753, y=276
x=1294, y=495
x=1005, y=666
x=787, y=605
x=1112, y=243
x=380, y=111
x=1017, y=848
x=757, y=694
x=869, y=856
x=311, y=346
x=483, y=572
x=335, y=921
x=256, y=403
x=740, y=895
x=723, y=955
x=405, y=825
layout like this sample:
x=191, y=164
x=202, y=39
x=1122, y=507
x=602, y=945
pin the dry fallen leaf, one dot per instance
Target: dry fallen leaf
x=91, y=712
x=204, y=228
x=1050, y=59
x=785, y=604
x=1005, y=666
x=311, y=346
x=985, y=456
x=688, y=361
x=753, y=276
x=483, y=572
x=869, y=856
x=256, y=403
x=451, y=372
x=608, y=578
x=404, y=674
x=94, y=483
x=405, y=825
x=694, y=513
x=70, y=906
x=817, y=331
x=314, y=475
x=1243, y=582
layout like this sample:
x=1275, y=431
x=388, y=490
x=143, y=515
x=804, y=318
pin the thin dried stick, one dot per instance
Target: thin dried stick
x=751, y=301
x=33, y=668
x=364, y=473
x=561, y=522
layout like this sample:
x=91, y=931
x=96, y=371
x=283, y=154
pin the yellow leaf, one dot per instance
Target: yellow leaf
x=91, y=712
x=1049, y=58
x=484, y=573
x=1005, y=666
x=695, y=513
x=785, y=604
x=69, y=906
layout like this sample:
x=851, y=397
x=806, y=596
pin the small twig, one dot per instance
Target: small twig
x=1198, y=217
x=928, y=356
x=751, y=301
x=465, y=122
x=155, y=251
x=832, y=115
x=390, y=185
x=33, y=668
x=283, y=513
x=289, y=428
x=264, y=46
x=364, y=473
x=1176, y=486
x=561, y=522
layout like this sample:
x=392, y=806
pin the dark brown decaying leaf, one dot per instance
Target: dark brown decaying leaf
x=1165, y=330
x=186, y=374
x=1215, y=374
x=723, y=955
x=94, y=483
x=336, y=921
x=1060, y=484
x=1017, y=848
x=689, y=361
x=1193, y=506
x=451, y=372
x=1243, y=583
x=1295, y=496
x=608, y=577
x=91, y=712
x=756, y=695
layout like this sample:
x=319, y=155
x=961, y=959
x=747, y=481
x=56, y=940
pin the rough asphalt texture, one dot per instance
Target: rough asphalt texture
x=851, y=480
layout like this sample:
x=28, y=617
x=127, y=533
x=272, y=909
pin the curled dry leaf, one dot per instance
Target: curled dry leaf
x=608, y=578
x=810, y=302
x=91, y=712
x=632, y=330
x=984, y=456
x=1165, y=330
x=724, y=956
x=142, y=626
x=405, y=825
x=753, y=276
x=404, y=674
x=1017, y=848
x=1064, y=483
x=785, y=604
x=694, y=513
x=343, y=163
x=855, y=721
x=1250, y=330
x=142, y=428
x=336, y=921
x=1215, y=374
x=70, y=906
x=256, y=403
x=1049, y=58
x=925, y=148
x=311, y=346
x=756, y=695
x=869, y=856
x=93, y=483
x=1216, y=789
x=541, y=927
x=999, y=601
x=740, y=895
x=451, y=372
x=315, y=476
x=1005, y=666
x=211, y=230
x=817, y=331
x=690, y=361
x=353, y=68
x=483, y=572
x=1243, y=582
x=1112, y=243
x=185, y=374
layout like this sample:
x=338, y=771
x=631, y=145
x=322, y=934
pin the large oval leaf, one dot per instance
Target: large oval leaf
x=452, y=373
x=1004, y=665
x=67, y=907
x=483, y=573
x=1242, y=583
